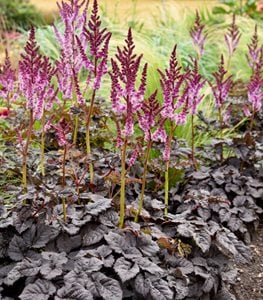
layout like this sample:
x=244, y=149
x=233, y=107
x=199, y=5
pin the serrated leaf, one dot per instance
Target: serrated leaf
x=17, y=248
x=153, y=289
x=107, y=287
x=93, y=234
x=73, y=292
x=71, y=229
x=116, y=241
x=99, y=205
x=142, y=285
x=202, y=239
x=53, y=264
x=146, y=265
x=160, y=290
x=44, y=234
x=41, y=290
x=109, y=218
x=88, y=265
x=125, y=269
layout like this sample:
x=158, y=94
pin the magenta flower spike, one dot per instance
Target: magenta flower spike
x=8, y=89
x=255, y=55
x=255, y=91
x=198, y=36
x=35, y=74
x=171, y=83
x=195, y=84
x=126, y=99
x=232, y=37
x=222, y=85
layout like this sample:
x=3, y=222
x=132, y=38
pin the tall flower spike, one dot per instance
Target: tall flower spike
x=126, y=98
x=171, y=82
x=254, y=57
x=7, y=81
x=222, y=86
x=255, y=91
x=35, y=74
x=198, y=36
x=149, y=115
x=232, y=37
x=195, y=83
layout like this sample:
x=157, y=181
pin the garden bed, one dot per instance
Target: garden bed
x=103, y=201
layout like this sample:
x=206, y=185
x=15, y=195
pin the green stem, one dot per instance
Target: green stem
x=123, y=181
x=193, y=142
x=166, y=178
x=88, y=121
x=42, y=147
x=76, y=128
x=25, y=151
x=149, y=145
x=64, y=182
x=221, y=132
x=166, y=188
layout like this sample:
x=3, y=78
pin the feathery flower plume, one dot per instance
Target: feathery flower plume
x=255, y=91
x=8, y=90
x=195, y=83
x=255, y=56
x=198, y=36
x=126, y=98
x=222, y=85
x=232, y=37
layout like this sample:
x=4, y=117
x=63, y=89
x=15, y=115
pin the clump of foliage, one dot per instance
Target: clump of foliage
x=19, y=14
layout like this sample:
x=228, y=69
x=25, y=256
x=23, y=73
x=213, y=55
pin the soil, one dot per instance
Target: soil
x=250, y=279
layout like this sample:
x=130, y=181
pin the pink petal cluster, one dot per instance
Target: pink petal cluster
x=84, y=46
x=126, y=98
x=171, y=83
x=195, y=85
x=197, y=35
x=149, y=119
x=222, y=85
x=8, y=90
x=35, y=74
x=255, y=91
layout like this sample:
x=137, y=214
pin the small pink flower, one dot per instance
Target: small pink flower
x=259, y=5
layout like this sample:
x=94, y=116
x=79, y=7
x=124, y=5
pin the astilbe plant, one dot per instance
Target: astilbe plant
x=84, y=50
x=221, y=89
x=175, y=110
x=198, y=36
x=8, y=88
x=150, y=120
x=62, y=130
x=35, y=74
x=126, y=100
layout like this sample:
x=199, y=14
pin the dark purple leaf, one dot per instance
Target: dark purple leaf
x=126, y=269
x=41, y=290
